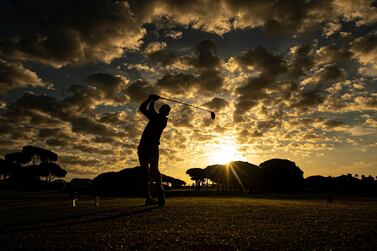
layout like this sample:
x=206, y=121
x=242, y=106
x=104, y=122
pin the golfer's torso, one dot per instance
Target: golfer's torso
x=153, y=130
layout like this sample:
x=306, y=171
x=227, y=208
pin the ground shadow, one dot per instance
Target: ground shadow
x=119, y=213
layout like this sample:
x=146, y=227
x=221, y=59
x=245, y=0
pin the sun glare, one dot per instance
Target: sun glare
x=224, y=153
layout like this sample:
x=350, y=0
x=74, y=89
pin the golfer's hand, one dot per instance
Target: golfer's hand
x=154, y=97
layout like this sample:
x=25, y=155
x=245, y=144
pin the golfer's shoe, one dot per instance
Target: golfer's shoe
x=150, y=201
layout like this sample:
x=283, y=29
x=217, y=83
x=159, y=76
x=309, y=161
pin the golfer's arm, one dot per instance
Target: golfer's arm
x=151, y=106
x=143, y=107
x=147, y=108
x=151, y=113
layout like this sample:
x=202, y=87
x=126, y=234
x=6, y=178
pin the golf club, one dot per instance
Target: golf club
x=213, y=115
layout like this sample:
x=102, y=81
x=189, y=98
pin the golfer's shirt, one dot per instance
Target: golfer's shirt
x=153, y=130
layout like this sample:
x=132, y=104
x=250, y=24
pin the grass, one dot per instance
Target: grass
x=194, y=223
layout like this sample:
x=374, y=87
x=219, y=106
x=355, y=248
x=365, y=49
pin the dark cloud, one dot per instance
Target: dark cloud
x=85, y=172
x=32, y=101
x=100, y=88
x=163, y=57
x=159, y=54
x=174, y=34
x=139, y=90
x=105, y=140
x=177, y=83
x=117, y=118
x=216, y=104
x=309, y=98
x=270, y=67
x=278, y=17
x=64, y=142
x=332, y=53
x=364, y=49
x=56, y=132
x=302, y=60
x=210, y=81
x=266, y=125
x=331, y=123
x=205, y=56
x=93, y=150
x=261, y=60
x=106, y=86
x=58, y=33
x=15, y=76
x=155, y=47
x=365, y=45
x=330, y=74
x=77, y=111
x=205, y=74
x=183, y=118
x=90, y=126
x=78, y=160
x=56, y=136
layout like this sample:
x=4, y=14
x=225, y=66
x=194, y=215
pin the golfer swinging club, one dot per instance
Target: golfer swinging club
x=148, y=151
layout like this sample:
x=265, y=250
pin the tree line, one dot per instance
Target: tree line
x=275, y=175
x=29, y=167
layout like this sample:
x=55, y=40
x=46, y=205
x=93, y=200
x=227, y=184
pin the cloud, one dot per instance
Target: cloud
x=107, y=88
x=302, y=60
x=309, y=98
x=331, y=28
x=90, y=126
x=216, y=104
x=78, y=160
x=327, y=75
x=117, y=118
x=32, y=101
x=3, y=105
x=102, y=30
x=139, y=90
x=177, y=83
x=140, y=68
x=332, y=53
x=364, y=49
x=331, y=123
x=362, y=11
x=202, y=71
x=15, y=76
x=155, y=47
x=163, y=57
x=261, y=60
x=222, y=16
x=370, y=121
x=59, y=33
x=174, y=34
x=93, y=150
x=100, y=89
x=205, y=56
x=184, y=118
x=269, y=66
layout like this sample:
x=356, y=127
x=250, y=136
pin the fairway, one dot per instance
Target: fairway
x=199, y=223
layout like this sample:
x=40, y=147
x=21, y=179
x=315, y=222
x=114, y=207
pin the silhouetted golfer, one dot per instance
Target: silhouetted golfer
x=148, y=150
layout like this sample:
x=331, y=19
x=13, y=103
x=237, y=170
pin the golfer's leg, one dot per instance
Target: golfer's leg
x=145, y=174
x=156, y=176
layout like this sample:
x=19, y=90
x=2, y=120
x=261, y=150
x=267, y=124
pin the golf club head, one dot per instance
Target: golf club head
x=213, y=115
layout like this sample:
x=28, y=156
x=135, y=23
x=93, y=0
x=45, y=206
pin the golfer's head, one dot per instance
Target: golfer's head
x=164, y=110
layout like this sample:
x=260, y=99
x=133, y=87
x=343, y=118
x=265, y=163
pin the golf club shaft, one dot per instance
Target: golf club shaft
x=183, y=103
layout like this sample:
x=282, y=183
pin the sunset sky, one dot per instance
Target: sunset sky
x=287, y=79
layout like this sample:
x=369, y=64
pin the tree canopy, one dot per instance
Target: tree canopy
x=275, y=175
x=31, y=163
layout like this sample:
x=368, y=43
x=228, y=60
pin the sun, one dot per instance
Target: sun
x=224, y=153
